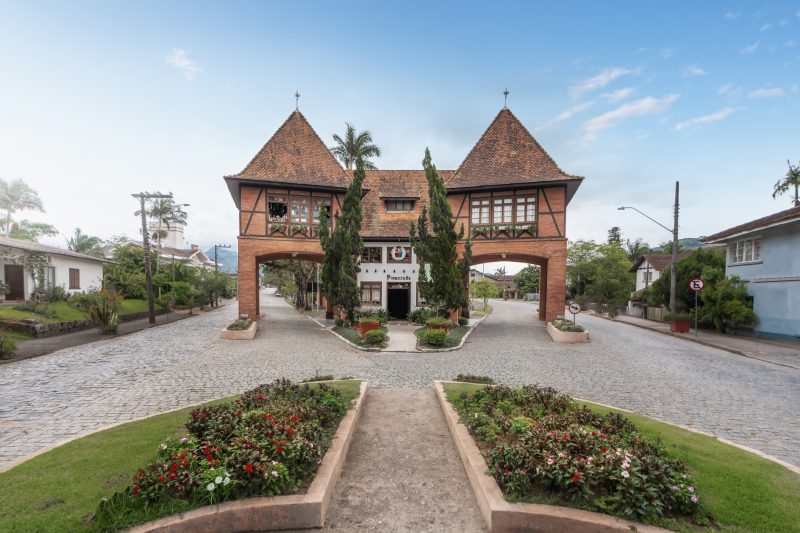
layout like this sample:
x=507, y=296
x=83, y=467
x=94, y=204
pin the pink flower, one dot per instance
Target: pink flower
x=550, y=461
x=625, y=474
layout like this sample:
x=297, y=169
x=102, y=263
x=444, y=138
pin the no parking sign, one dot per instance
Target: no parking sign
x=696, y=284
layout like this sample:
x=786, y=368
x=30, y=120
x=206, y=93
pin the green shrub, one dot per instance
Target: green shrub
x=462, y=321
x=669, y=317
x=102, y=307
x=433, y=337
x=368, y=320
x=8, y=346
x=420, y=315
x=567, y=325
x=238, y=325
x=376, y=336
x=339, y=322
x=438, y=321
x=55, y=294
x=35, y=308
x=319, y=377
x=382, y=315
x=470, y=378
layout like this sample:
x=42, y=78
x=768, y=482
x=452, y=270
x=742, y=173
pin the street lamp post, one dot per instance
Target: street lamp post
x=673, y=282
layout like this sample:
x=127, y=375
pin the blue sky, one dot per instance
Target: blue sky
x=99, y=100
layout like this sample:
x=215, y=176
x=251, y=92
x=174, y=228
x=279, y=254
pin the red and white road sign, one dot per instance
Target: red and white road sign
x=696, y=284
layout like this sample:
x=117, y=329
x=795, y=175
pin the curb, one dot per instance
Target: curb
x=499, y=515
x=696, y=341
x=351, y=344
x=297, y=511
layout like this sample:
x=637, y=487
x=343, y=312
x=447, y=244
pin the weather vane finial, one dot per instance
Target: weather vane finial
x=505, y=98
x=296, y=100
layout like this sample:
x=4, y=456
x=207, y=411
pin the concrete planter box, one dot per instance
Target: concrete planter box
x=566, y=336
x=500, y=515
x=297, y=511
x=240, y=334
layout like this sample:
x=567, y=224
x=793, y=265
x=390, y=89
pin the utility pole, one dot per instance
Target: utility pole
x=148, y=274
x=216, y=269
x=673, y=280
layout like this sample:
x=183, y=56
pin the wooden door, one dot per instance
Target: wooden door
x=15, y=279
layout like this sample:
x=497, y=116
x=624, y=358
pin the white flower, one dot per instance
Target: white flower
x=625, y=474
x=218, y=480
x=163, y=446
x=274, y=473
x=226, y=481
x=274, y=462
x=210, y=487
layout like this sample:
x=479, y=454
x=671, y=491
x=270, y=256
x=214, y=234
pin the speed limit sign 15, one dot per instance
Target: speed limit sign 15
x=696, y=284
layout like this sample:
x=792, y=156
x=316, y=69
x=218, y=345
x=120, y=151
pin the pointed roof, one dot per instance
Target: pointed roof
x=507, y=154
x=295, y=155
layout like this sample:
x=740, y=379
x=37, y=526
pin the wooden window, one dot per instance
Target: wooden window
x=526, y=209
x=74, y=278
x=318, y=204
x=747, y=251
x=398, y=254
x=277, y=208
x=480, y=211
x=372, y=254
x=51, y=277
x=399, y=205
x=299, y=210
x=371, y=292
x=503, y=210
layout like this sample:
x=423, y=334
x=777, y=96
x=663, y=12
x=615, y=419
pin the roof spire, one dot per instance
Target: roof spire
x=505, y=98
x=296, y=100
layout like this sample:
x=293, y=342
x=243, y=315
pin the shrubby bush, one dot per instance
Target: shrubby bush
x=420, y=315
x=240, y=324
x=102, y=307
x=567, y=325
x=8, y=346
x=375, y=337
x=433, y=337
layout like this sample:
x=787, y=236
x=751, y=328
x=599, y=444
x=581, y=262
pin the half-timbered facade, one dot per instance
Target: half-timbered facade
x=509, y=195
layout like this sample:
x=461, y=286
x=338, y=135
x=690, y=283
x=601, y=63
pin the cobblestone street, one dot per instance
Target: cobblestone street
x=52, y=398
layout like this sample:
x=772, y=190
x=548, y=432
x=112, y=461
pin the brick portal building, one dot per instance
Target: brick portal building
x=508, y=193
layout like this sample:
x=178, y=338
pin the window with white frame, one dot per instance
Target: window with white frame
x=526, y=209
x=747, y=250
x=480, y=211
x=503, y=210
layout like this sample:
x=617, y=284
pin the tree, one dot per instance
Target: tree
x=500, y=271
x=527, y=279
x=84, y=244
x=353, y=146
x=724, y=303
x=17, y=195
x=636, y=249
x=615, y=235
x=31, y=231
x=702, y=263
x=436, y=247
x=792, y=180
x=163, y=212
x=484, y=289
x=342, y=247
x=612, y=283
x=581, y=266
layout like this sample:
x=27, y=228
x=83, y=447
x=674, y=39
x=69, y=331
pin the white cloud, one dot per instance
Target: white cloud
x=731, y=89
x=619, y=94
x=601, y=80
x=705, y=119
x=789, y=44
x=766, y=93
x=797, y=13
x=783, y=22
x=666, y=53
x=765, y=27
x=796, y=88
x=694, y=70
x=179, y=59
x=638, y=108
x=569, y=113
x=731, y=15
x=752, y=48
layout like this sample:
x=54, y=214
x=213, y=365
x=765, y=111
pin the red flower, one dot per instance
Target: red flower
x=279, y=450
x=162, y=479
x=135, y=489
x=575, y=478
x=290, y=431
x=603, y=449
x=566, y=436
x=174, y=467
x=210, y=458
x=248, y=468
x=185, y=463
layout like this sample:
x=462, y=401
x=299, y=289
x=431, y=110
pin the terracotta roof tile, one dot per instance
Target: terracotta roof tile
x=507, y=154
x=788, y=215
x=33, y=246
x=295, y=154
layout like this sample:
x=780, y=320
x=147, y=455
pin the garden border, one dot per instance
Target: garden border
x=503, y=516
x=296, y=511
x=571, y=337
x=460, y=345
x=240, y=334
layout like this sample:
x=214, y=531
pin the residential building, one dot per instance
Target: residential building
x=649, y=267
x=508, y=194
x=192, y=256
x=766, y=253
x=73, y=271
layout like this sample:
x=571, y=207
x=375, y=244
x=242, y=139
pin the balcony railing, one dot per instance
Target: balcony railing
x=504, y=231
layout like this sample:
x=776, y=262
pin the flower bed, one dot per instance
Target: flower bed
x=541, y=447
x=428, y=337
x=567, y=326
x=561, y=330
x=268, y=442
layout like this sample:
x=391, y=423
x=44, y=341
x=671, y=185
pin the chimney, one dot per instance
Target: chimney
x=194, y=248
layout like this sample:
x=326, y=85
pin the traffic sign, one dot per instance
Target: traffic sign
x=574, y=308
x=696, y=284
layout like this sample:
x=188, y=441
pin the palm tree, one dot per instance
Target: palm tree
x=792, y=179
x=16, y=196
x=353, y=145
x=84, y=244
x=501, y=271
x=164, y=212
x=636, y=249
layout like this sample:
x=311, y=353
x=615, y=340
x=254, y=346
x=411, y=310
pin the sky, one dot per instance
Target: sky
x=100, y=100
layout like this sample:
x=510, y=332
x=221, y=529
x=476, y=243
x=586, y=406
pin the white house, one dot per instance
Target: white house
x=649, y=267
x=74, y=271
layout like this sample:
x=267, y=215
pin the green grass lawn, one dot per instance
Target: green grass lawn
x=59, y=490
x=453, y=339
x=64, y=312
x=742, y=491
x=480, y=311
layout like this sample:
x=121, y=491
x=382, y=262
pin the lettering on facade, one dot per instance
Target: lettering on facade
x=389, y=277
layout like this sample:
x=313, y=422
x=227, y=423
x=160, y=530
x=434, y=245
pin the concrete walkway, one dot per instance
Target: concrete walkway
x=401, y=338
x=784, y=353
x=402, y=471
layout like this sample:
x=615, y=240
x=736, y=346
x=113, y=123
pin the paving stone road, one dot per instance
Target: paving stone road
x=52, y=398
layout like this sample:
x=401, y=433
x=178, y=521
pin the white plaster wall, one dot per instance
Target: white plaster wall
x=91, y=273
x=640, y=276
x=398, y=271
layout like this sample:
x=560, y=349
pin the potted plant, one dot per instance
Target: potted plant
x=439, y=322
x=367, y=323
x=679, y=322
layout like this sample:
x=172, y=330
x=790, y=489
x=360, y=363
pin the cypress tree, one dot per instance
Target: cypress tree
x=436, y=247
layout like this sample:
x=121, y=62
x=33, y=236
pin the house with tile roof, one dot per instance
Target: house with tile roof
x=766, y=254
x=649, y=267
x=508, y=193
x=73, y=271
